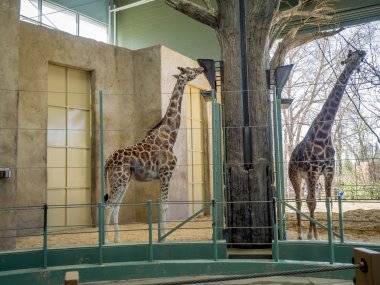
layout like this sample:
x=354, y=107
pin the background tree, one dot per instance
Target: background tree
x=249, y=185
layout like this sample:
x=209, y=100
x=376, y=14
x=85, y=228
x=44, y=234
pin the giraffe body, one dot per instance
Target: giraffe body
x=315, y=155
x=152, y=158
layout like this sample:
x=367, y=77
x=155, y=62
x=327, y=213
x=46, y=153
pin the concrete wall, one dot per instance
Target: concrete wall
x=9, y=61
x=137, y=87
x=170, y=60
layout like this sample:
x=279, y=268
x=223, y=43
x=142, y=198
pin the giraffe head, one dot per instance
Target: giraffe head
x=187, y=74
x=354, y=58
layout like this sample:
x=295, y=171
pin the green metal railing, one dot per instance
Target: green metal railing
x=329, y=227
x=150, y=243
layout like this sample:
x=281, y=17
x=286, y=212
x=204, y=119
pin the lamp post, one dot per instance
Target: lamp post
x=277, y=80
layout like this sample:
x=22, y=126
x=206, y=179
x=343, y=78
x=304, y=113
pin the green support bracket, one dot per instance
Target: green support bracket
x=217, y=161
x=182, y=223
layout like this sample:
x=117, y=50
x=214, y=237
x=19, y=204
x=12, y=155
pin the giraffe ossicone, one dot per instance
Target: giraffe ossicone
x=314, y=155
x=151, y=158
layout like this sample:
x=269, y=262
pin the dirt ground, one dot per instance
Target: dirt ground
x=361, y=224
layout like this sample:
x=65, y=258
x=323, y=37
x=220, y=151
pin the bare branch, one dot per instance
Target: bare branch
x=195, y=11
x=291, y=41
x=321, y=12
x=209, y=6
x=287, y=13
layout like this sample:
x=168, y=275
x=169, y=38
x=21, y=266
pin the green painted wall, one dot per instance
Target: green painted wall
x=157, y=23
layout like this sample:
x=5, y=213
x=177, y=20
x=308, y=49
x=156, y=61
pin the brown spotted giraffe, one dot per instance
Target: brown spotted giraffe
x=152, y=158
x=314, y=155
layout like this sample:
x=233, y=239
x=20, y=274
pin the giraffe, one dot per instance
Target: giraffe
x=314, y=155
x=152, y=158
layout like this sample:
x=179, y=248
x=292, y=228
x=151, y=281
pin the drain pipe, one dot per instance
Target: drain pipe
x=247, y=140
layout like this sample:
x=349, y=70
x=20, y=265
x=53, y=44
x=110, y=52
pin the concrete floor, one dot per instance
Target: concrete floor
x=264, y=281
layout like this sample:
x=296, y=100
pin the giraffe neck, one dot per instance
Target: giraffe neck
x=172, y=119
x=325, y=119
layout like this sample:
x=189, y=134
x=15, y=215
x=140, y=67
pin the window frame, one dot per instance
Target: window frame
x=40, y=19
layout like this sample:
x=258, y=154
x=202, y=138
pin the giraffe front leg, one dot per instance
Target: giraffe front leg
x=299, y=207
x=116, y=223
x=164, y=182
x=107, y=218
x=311, y=203
x=296, y=180
x=164, y=210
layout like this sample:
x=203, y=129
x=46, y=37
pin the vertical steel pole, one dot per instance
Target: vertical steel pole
x=330, y=230
x=278, y=166
x=150, y=231
x=341, y=224
x=101, y=236
x=281, y=169
x=214, y=229
x=102, y=182
x=275, y=232
x=45, y=235
x=217, y=161
x=159, y=220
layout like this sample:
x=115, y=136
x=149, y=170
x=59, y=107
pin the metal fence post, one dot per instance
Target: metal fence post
x=214, y=229
x=150, y=231
x=217, y=160
x=159, y=220
x=45, y=236
x=341, y=224
x=275, y=232
x=330, y=230
x=101, y=133
x=101, y=231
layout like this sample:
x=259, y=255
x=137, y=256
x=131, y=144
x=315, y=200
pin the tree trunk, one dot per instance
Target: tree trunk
x=248, y=191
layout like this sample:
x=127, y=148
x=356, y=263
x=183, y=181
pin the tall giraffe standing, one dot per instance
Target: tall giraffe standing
x=152, y=158
x=314, y=155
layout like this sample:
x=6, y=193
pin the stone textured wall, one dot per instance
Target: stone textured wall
x=137, y=86
x=9, y=61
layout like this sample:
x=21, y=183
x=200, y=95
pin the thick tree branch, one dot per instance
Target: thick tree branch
x=195, y=11
x=291, y=41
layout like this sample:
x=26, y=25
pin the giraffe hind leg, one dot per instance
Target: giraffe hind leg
x=113, y=207
x=311, y=203
x=295, y=179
